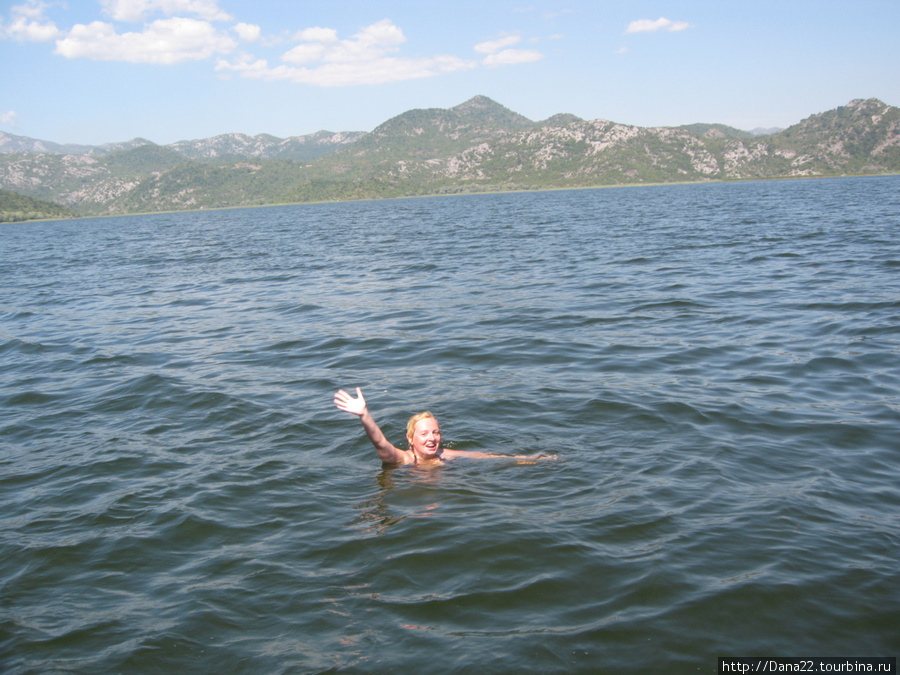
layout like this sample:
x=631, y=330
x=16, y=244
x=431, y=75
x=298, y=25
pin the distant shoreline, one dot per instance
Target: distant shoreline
x=458, y=194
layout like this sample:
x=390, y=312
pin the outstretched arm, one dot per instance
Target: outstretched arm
x=357, y=406
x=476, y=454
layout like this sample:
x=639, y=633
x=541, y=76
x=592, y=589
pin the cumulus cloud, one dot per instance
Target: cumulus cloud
x=372, y=44
x=317, y=34
x=248, y=32
x=8, y=118
x=27, y=23
x=166, y=42
x=325, y=60
x=509, y=57
x=133, y=11
x=498, y=55
x=308, y=52
x=494, y=46
x=648, y=26
x=177, y=31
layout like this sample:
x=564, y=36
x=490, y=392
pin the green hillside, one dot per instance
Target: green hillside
x=15, y=208
x=477, y=146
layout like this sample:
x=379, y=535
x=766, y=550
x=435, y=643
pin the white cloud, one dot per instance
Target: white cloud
x=494, y=46
x=27, y=23
x=324, y=60
x=348, y=73
x=133, y=11
x=166, y=42
x=318, y=35
x=8, y=118
x=499, y=55
x=371, y=44
x=648, y=26
x=509, y=57
x=306, y=53
x=248, y=32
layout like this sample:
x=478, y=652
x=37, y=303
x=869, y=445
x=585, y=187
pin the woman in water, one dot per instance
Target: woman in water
x=422, y=432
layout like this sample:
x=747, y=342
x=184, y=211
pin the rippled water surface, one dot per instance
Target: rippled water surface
x=717, y=368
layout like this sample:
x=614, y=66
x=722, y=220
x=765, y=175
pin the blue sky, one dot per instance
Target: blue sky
x=97, y=71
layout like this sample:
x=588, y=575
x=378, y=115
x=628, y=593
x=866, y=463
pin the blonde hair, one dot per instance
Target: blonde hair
x=415, y=419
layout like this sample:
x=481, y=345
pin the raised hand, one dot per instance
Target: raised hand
x=347, y=403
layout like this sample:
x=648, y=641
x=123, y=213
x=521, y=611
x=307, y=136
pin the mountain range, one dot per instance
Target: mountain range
x=217, y=148
x=477, y=146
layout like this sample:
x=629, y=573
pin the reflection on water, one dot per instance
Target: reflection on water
x=376, y=514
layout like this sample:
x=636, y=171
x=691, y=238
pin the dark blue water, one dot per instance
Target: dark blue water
x=716, y=366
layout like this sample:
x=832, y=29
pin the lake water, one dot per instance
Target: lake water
x=716, y=366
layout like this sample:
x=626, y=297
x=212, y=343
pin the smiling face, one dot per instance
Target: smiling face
x=425, y=440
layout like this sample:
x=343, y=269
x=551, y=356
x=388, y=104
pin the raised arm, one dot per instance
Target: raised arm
x=357, y=406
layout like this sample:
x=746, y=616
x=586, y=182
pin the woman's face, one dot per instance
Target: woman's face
x=426, y=438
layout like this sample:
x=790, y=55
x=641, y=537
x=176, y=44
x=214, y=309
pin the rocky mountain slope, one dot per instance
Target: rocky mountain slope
x=425, y=148
x=477, y=146
x=227, y=146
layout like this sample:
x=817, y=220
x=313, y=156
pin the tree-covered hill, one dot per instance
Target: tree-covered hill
x=477, y=146
x=16, y=208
